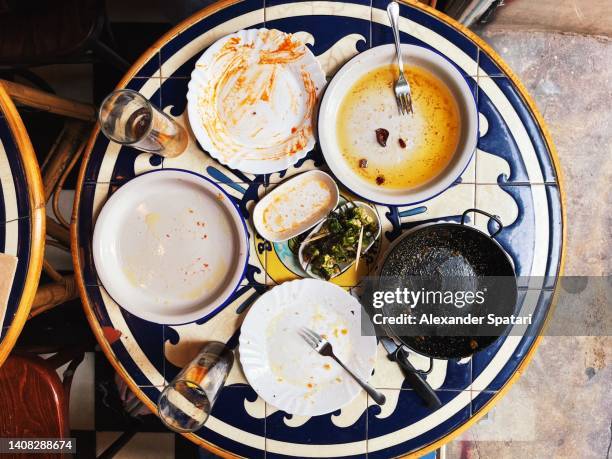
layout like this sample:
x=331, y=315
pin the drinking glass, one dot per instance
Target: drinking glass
x=128, y=118
x=184, y=405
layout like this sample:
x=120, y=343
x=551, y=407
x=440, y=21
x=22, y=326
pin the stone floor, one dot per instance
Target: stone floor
x=583, y=16
x=562, y=406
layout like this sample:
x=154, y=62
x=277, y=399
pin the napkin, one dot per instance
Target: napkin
x=8, y=265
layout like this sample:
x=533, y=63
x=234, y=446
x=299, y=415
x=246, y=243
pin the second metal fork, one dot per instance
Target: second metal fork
x=403, y=94
x=324, y=347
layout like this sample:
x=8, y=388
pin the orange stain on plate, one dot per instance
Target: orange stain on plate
x=241, y=98
x=289, y=50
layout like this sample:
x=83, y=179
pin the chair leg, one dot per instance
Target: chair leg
x=71, y=138
x=50, y=295
x=35, y=98
x=109, y=55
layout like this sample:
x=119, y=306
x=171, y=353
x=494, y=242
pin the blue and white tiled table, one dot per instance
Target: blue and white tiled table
x=22, y=215
x=512, y=174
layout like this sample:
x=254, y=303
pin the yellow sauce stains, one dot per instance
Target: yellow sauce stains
x=429, y=137
x=130, y=275
x=151, y=220
x=212, y=281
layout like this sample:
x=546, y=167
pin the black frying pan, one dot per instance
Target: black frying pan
x=449, y=250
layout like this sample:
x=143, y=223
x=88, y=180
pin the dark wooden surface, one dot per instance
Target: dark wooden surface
x=32, y=401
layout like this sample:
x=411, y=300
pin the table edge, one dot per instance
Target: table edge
x=36, y=196
x=222, y=4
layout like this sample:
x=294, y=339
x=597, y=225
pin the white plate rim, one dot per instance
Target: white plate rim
x=382, y=198
x=245, y=334
x=226, y=295
x=252, y=166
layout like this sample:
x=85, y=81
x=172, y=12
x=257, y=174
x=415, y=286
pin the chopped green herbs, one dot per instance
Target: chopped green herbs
x=335, y=244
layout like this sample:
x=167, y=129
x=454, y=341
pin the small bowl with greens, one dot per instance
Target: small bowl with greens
x=331, y=247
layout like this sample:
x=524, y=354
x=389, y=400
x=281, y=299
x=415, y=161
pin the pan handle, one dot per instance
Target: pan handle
x=494, y=217
x=416, y=380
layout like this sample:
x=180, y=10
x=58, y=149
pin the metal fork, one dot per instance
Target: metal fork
x=324, y=347
x=403, y=95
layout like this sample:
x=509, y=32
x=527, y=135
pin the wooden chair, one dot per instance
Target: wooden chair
x=33, y=399
x=59, y=162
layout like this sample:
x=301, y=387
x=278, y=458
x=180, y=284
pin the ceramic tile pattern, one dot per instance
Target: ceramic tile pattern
x=510, y=175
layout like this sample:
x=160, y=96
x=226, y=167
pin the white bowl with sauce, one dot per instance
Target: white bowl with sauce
x=295, y=206
x=437, y=141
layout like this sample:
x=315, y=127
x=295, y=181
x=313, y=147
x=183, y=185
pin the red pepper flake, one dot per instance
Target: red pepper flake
x=402, y=144
x=363, y=163
x=293, y=130
x=380, y=180
x=111, y=334
x=381, y=136
x=205, y=265
x=205, y=236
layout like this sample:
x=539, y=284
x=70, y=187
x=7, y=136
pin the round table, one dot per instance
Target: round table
x=513, y=174
x=22, y=220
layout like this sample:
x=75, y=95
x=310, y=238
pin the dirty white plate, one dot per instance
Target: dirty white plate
x=251, y=100
x=170, y=246
x=284, y=370
x=295, y=206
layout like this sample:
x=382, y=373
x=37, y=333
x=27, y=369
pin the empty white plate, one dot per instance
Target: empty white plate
x=284, y=370
x=170, y=246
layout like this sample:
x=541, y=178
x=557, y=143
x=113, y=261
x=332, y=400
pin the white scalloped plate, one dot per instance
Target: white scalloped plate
x=283, y=369
x=251, y=100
